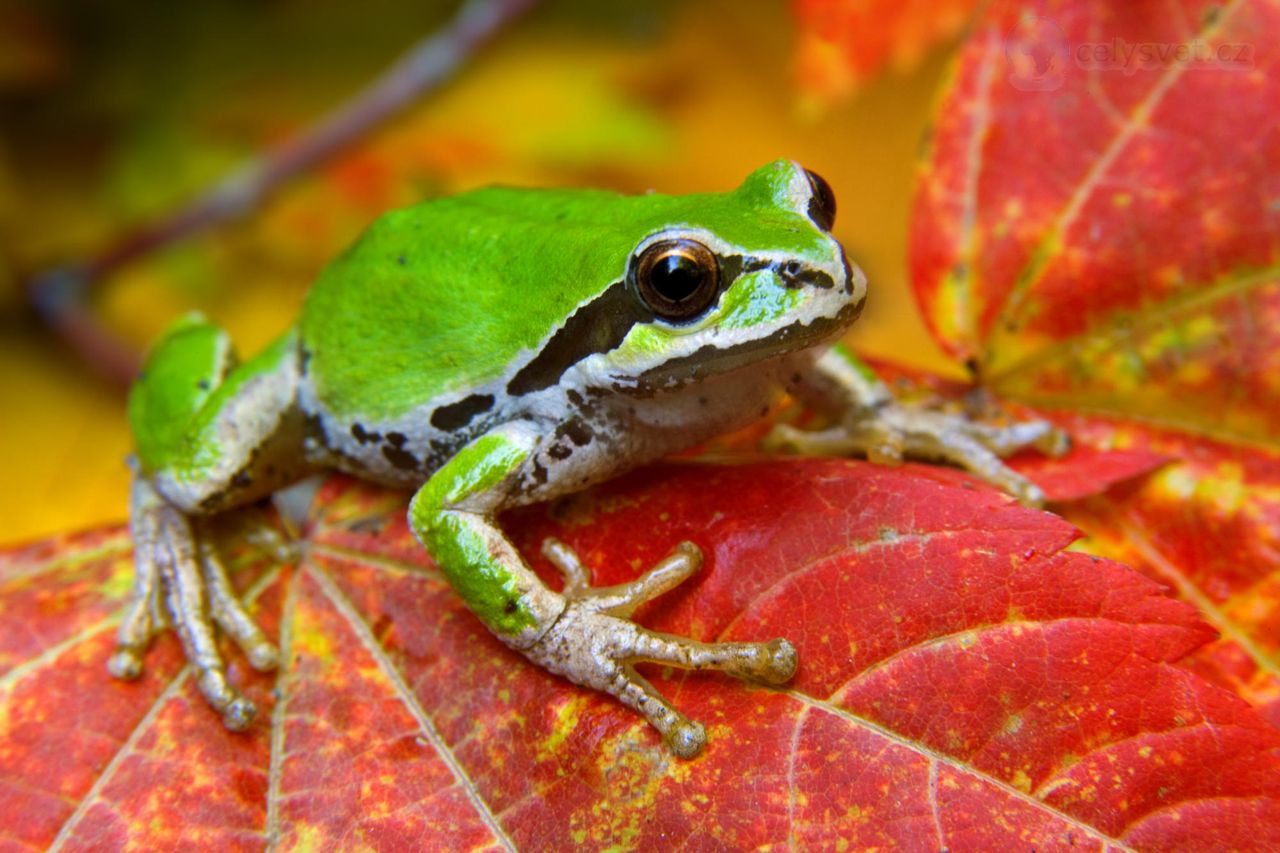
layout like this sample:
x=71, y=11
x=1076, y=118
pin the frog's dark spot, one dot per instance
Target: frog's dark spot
x=703, y=401
x=457, y=415
x=574, y=397
x=314, y=429
x=203, y=384
x=397, y=439
x=560, y=452
x=402, y=459
x=400, y=260
x=511, y=607
x=364, y=436
x=303, y=361
x=540, y=473
x=764, y=410
x=971, y=365
x=241, y=479
x=576, y=431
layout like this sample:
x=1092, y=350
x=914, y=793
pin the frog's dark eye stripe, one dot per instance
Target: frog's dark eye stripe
x=822, y=202
x=598, y=326
x=677, y=279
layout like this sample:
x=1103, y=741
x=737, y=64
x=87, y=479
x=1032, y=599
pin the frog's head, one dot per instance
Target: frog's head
x=732, y=279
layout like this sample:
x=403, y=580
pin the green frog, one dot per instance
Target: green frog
x=504, y=346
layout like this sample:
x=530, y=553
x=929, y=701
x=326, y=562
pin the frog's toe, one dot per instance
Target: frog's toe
x=621, y=600
x=138, y=625
x=1055, y=442
x=1009, y=439
x=231, y=615
x=126, y=663
x=773, y=662
x=780, y=661
x=687, y=738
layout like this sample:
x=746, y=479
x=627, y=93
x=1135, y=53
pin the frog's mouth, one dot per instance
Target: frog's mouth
x=711, y=360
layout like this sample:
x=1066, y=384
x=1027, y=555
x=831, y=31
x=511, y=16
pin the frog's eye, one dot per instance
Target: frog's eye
x=822, y=202
x=677, y=279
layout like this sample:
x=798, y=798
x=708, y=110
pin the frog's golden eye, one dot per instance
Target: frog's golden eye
x=677, y=279
x=822, y=203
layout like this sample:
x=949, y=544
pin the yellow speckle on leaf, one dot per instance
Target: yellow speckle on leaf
x=1177, y=482
x=1225, y=488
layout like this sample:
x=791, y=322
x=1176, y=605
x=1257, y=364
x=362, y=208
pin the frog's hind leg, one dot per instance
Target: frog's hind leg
x=211, y=435
x=871, y=422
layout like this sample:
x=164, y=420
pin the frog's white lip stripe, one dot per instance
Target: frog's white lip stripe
x=711, y=359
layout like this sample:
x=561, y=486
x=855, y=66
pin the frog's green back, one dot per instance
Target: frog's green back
x=445, y=296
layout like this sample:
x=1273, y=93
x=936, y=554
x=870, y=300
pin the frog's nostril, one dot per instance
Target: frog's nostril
x=792, y=273
x=795, y=274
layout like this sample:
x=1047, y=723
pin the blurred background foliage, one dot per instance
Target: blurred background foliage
x=114, y=112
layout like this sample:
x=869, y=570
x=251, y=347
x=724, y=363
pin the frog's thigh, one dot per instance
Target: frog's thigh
x=213, y=434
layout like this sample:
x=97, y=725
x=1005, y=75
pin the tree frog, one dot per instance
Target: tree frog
x=504, y=346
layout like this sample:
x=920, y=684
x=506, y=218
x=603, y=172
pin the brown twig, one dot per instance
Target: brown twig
x=59, y=295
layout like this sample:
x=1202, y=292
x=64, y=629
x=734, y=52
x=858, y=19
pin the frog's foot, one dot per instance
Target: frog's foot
x=181, y=581
x=895, y=431
x=594, y=643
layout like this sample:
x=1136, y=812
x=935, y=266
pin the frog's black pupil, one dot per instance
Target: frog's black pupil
x=677, y=276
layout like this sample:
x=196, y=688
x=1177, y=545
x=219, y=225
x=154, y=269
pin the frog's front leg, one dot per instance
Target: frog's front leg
x=873, y=423
x=581, y=633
